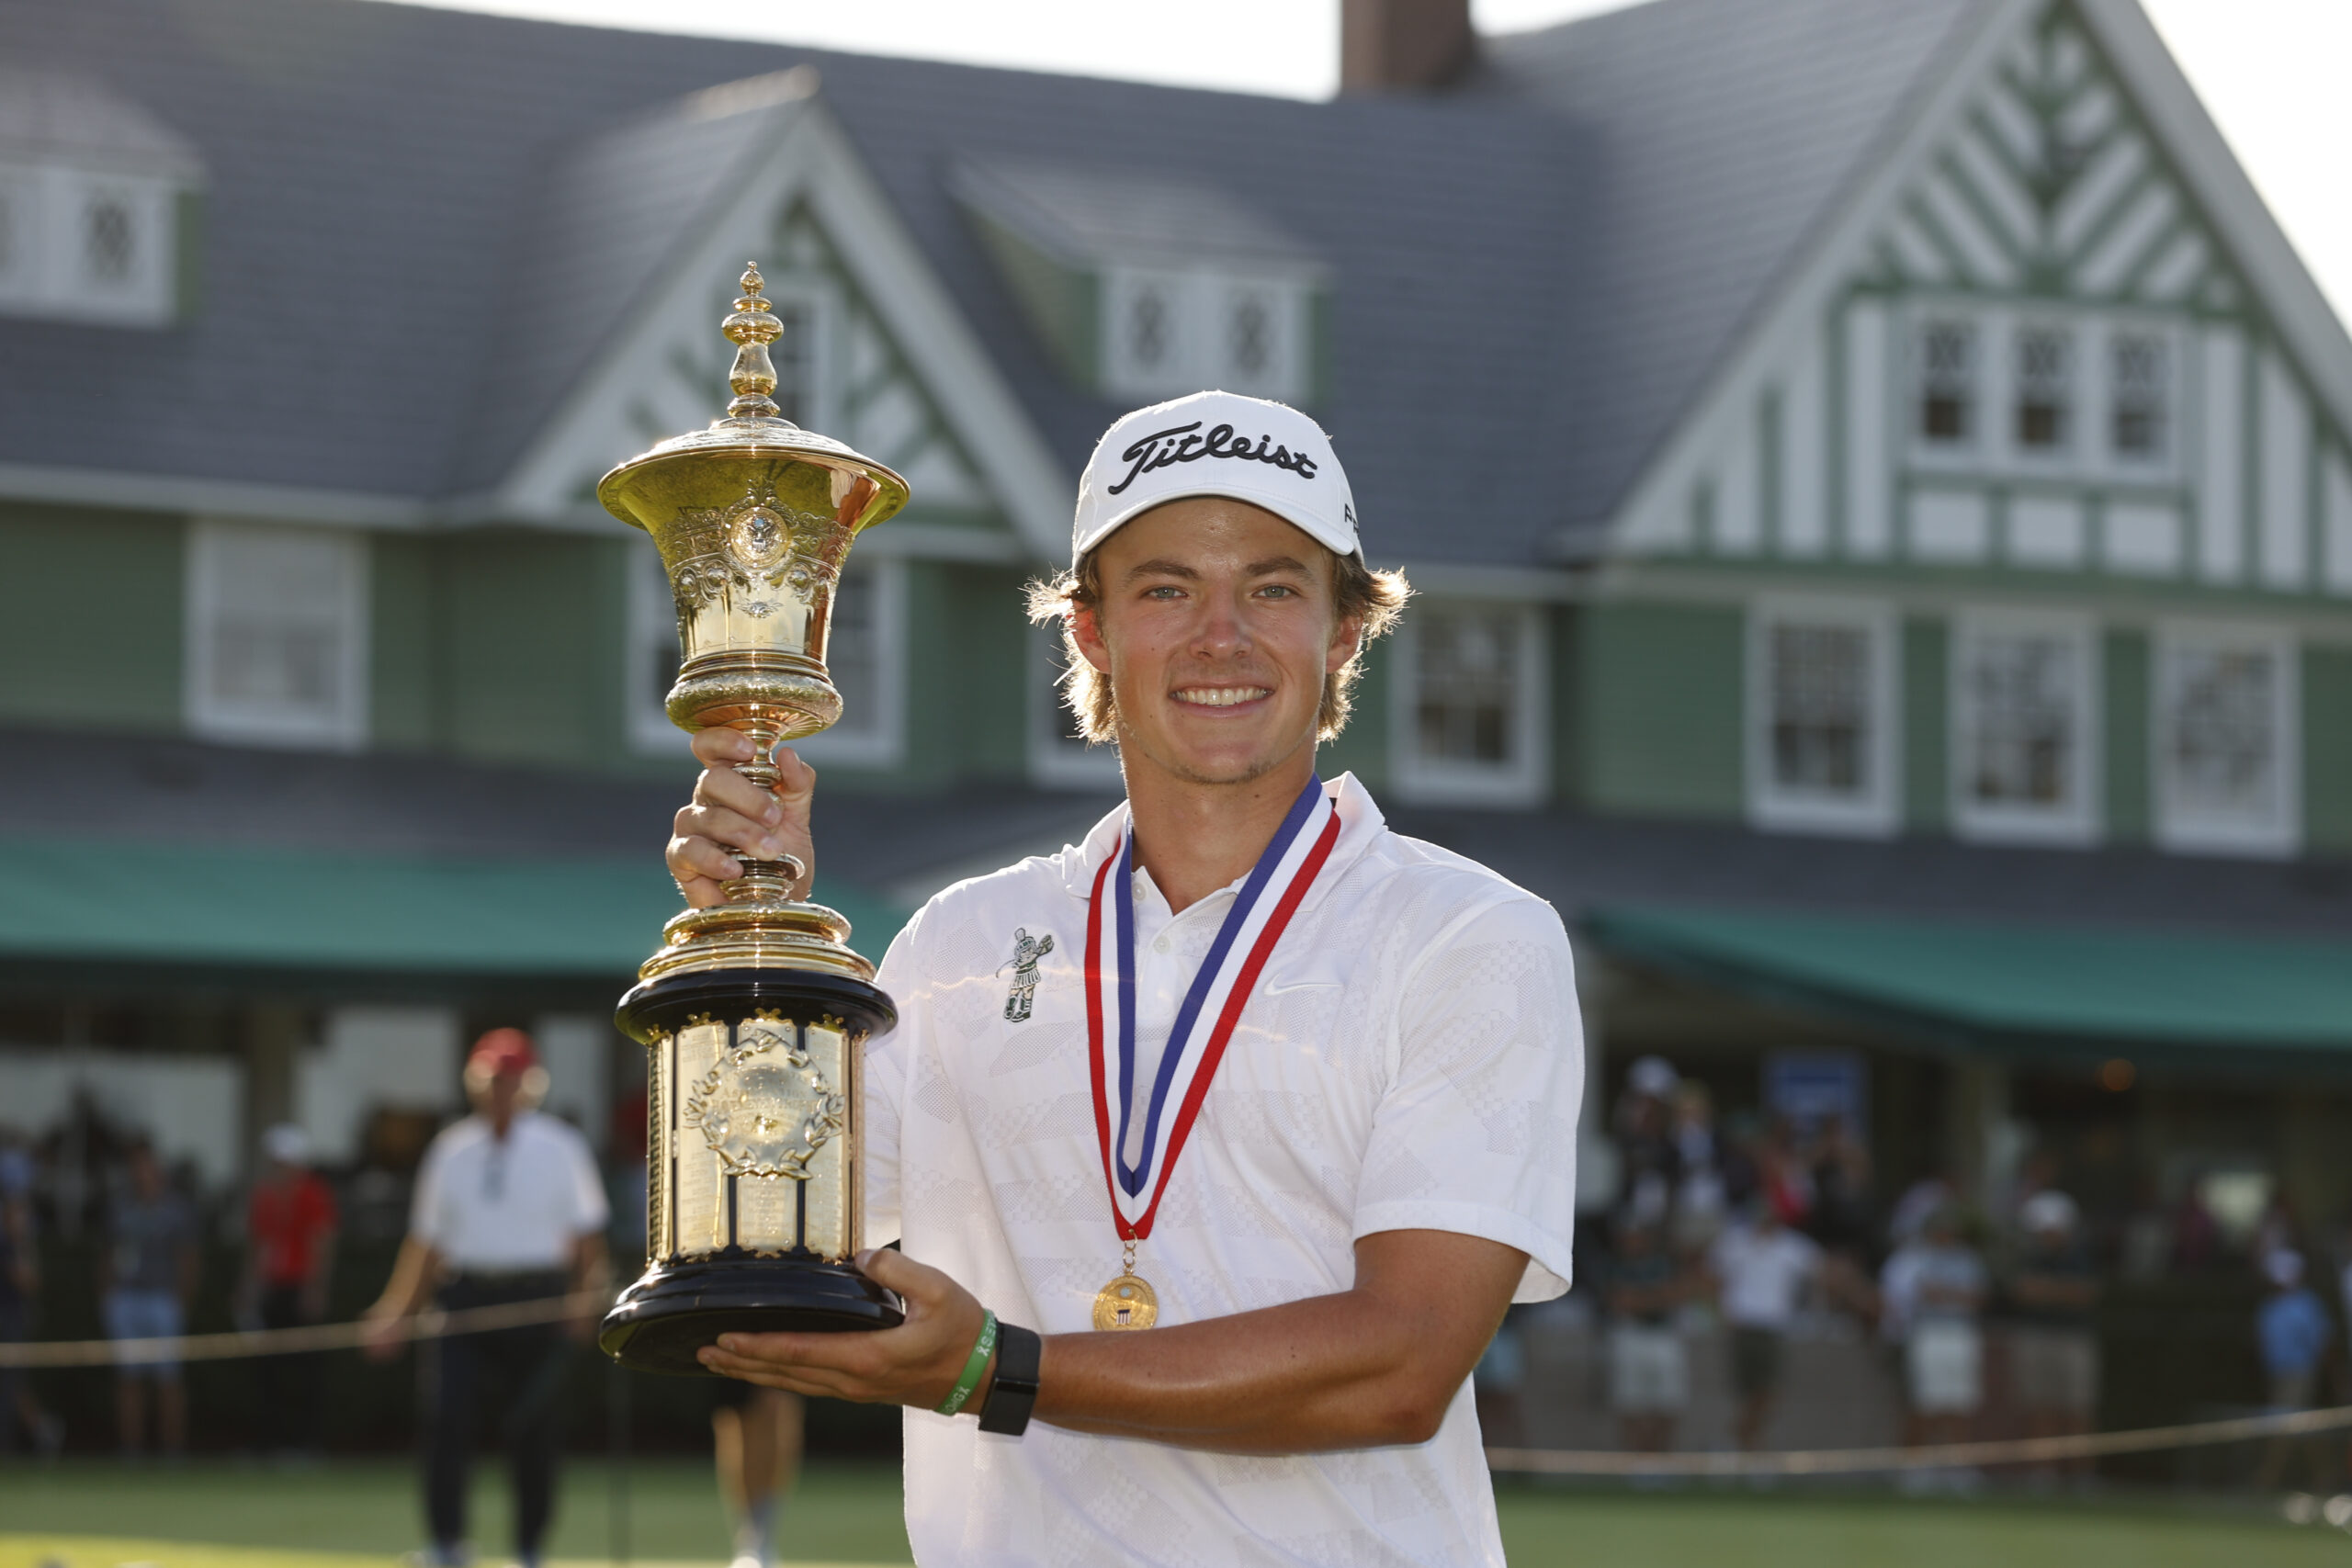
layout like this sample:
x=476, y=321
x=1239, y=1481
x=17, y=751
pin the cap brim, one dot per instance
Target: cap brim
x=1313, y=527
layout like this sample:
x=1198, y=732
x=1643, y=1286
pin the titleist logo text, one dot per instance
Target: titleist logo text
x=1180, y=444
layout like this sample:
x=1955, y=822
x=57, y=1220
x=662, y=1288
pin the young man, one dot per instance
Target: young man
x=1934, y=1286
x=1762, y=1270
x=508, y=1207
x=1293, y=1093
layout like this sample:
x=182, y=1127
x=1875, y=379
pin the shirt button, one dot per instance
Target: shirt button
x=1160, y=945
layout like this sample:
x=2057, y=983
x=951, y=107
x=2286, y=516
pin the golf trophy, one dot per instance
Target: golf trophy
x=754, y=1010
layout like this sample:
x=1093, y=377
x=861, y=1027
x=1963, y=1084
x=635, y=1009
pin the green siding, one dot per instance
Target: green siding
x=63, y=661
x=401, y=667
x=2327, y=749
x=1661, y=696
x=967, y=676
x=2124, y=732
x=528, y=636
x=1925, y=685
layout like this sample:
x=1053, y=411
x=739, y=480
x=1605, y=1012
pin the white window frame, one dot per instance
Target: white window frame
x=1925, y=452
x=2076, y=819
x=1875, y=809
x=2181, y=828
x=880, y=743
x=2074, y=332
x=213, y=717
x=2164, y=466
x=1056, y=762
x=51, y=203
x=1523, y=777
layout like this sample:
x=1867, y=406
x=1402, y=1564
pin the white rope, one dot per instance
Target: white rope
x=1862, y=1462
x=430, y=1324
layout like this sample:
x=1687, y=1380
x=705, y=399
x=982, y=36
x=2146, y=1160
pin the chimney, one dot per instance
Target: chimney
x=1391, y=46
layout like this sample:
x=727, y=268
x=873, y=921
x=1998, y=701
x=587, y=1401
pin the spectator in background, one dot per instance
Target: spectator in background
x=2292, y=1330
x=1936, y=1284
x=1761, y=1270
x=757, y=1434
x=147, y=1273
x=2054, y=1353
x=1649, y=1368
x=1645, y=1141
x=291, y=1227
x=508, y=1208
x=19, y=1294
x=1919, y=1199
x=1701, y=1195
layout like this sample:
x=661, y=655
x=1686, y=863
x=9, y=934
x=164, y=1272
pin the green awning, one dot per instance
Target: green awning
x=2013, y=985
x=230, y=907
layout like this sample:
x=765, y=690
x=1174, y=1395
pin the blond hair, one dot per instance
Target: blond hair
x=1378, y=597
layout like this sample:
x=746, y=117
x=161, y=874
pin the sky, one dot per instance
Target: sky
x=2270, y=71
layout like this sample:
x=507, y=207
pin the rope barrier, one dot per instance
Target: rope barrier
x=433, y=1324
x=1938, y=1456
x=436, y=1324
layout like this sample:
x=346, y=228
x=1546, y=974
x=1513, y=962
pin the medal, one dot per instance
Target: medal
x=1137, y=1164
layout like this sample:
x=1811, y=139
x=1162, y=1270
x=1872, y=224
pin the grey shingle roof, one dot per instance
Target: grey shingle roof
x=1103, y=215
x=1532, y=276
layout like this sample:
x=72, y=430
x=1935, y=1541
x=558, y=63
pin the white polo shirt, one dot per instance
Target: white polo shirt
x=501, y=1205
x=1412, y=1059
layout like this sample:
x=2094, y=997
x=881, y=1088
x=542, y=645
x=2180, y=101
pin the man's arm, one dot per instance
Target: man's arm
x=1373, y=1365
x=591, y=1277
x=413, y=1274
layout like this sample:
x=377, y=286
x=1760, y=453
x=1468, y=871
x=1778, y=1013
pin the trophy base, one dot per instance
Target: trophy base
x=676, y=1309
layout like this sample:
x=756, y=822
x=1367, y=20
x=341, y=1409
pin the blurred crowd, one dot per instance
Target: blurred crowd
x=1761, y=1227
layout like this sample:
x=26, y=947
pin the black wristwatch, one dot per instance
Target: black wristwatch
x=1013, y=1394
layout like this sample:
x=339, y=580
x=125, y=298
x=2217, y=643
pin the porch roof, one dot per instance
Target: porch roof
x=2013, y=985
x=296, y=910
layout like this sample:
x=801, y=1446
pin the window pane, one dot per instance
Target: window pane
x=1467, y=684
x=2021, y=692
x=2223, y=742
x=1819, y=690
x=853, y=653
x=1150, y=328
x=2044, y=372
x=1947, y=381
x=2140, y=379
x=274, y=628
x=1251, y=339
x=108, y=241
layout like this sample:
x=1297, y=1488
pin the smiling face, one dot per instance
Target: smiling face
x=1217, y=628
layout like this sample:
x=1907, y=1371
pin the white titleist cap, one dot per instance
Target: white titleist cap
x=1267, y=453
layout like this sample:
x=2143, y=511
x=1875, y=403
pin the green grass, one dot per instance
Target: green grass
x=850, y=1515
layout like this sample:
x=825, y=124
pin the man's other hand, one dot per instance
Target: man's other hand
x=917, y=1363
x=731, y=814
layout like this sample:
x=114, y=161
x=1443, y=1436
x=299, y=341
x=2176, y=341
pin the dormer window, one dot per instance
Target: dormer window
x=1143, y=287
x=94, y=192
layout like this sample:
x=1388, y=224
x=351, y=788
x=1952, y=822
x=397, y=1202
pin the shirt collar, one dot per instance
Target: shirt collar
x=1361, y=824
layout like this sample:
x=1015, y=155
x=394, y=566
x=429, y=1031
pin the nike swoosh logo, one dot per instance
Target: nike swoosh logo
x=1301, y=985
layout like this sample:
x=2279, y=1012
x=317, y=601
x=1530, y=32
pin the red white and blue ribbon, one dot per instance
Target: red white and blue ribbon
x=1211, y=1008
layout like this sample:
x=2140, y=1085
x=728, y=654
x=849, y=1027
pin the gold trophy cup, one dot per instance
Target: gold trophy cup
x=753, y=1012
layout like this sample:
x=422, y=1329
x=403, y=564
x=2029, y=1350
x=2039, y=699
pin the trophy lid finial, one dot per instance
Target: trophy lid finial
x=751, y=329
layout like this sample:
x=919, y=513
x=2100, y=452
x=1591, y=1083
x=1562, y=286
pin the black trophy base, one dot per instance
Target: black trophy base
x=674, y=1311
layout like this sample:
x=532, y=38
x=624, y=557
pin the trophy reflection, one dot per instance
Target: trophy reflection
x=753, y=1011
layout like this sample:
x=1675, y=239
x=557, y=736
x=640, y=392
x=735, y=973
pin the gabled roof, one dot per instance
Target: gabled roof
x=1723, y=134
x=77, y=121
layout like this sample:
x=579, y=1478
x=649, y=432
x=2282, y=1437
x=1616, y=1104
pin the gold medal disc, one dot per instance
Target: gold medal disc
x=1126, y=1302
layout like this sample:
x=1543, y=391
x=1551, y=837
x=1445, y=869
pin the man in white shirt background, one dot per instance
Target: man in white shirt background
x=508, y=1207
x=1762, y=1271
x=1302, y=1090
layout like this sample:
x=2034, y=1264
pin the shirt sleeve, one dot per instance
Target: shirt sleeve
x=882, y=1083
x=1477, y=1132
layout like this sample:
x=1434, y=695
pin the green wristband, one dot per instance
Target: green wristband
x=974, y=1365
